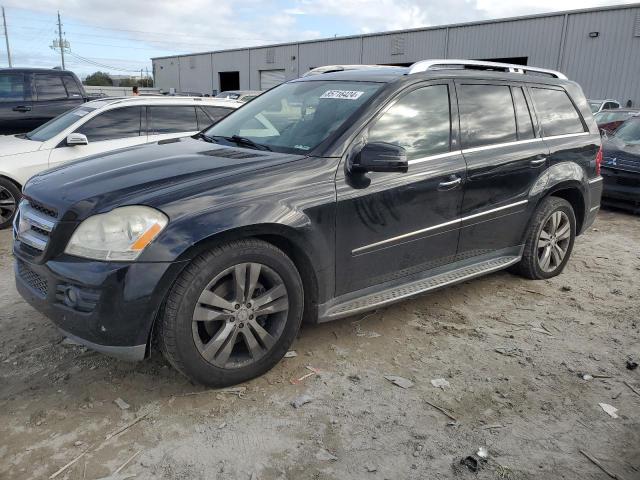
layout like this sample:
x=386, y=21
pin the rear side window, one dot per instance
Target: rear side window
x=487, y=116
x=11, y=87
x=50, y=87
x=72, y=87
x=420, y=122
x=172, y=120
x=556, y=112
x=113, y=124
x=210, y=115
x=523, y=115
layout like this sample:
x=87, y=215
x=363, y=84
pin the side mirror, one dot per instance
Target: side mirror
x=380, y=157
x=75, y=139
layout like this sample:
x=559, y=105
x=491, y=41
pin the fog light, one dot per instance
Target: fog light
x=71, y=297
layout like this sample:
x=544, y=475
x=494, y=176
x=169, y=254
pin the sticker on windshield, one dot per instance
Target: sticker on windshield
x=342, y=94
x=80, y=113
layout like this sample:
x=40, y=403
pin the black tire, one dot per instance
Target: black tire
x=9, y=199
x=530, y=266
x=179, y=339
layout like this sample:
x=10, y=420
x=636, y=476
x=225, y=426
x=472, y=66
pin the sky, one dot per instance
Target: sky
x=121, y=37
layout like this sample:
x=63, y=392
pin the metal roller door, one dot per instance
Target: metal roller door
x=271, y=78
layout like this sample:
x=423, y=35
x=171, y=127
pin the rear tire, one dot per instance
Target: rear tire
x=232, y=314
x=549, y=240
x=9, y=199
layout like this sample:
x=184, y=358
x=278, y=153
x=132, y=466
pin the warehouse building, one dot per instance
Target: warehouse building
x=599, y=48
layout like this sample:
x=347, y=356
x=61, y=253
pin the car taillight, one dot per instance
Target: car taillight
x=598, y=161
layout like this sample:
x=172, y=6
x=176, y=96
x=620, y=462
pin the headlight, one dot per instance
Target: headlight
x=121, y=234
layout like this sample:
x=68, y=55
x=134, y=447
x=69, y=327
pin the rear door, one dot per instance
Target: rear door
x=171, y=121
x=504, y=155
x=398, y=224
x=51, y=97
x=107, y=131
x=16, y=114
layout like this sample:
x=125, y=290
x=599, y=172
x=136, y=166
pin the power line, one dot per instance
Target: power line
x=99, y=64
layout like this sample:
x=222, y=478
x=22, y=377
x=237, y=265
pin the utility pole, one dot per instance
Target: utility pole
x=6, y=37
x=60, y=40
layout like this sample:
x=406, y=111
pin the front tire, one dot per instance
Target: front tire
x=232, y=314
x=9, y=199
x=549, y=240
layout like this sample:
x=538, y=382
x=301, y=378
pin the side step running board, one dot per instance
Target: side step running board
x=412, y=288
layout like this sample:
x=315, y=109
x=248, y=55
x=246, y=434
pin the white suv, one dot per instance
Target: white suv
x=97, y=127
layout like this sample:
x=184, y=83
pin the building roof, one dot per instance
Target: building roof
x=420, y=29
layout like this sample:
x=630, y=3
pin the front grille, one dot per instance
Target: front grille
x=49, y=212
x=34, y=226
x=31, y=278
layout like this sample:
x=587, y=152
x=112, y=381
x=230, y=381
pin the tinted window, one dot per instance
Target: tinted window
x=523, y=115
x=486, y=115
x=420, y=122
x=172, y=120
x=556, y=113
x=210, y=115
x=72, y=87
x=50, y=87
x=11, y=88
x=113, y=124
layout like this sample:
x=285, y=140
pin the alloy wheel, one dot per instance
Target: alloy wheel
x=240, y=315
x=7, y=205
x=553, y=241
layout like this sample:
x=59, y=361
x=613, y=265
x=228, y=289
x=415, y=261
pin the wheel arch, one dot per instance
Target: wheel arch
x=12, y=180
x=284, y=237
x=572, y=192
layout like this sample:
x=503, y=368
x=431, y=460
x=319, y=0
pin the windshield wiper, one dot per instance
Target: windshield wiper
x=204, y=137
x=242, y=141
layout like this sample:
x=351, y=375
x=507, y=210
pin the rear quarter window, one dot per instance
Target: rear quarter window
x=50, y=87
x=556, y=112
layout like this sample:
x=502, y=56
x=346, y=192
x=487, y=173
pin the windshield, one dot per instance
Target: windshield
x=56, y=125
x=295, y=117
x=629, y=131
x=595, y=106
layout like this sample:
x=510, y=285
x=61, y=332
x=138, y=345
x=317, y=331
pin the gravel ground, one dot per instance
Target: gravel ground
x=512, y=351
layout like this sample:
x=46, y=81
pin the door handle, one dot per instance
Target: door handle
x=21, y=108
x=538, y=161
x=449, y=184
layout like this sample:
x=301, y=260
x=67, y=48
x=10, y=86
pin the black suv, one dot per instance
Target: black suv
x=30, y=97
x=325, y=197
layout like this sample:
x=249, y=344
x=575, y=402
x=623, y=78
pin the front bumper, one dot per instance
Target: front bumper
x=621, y=185
x=109, y=307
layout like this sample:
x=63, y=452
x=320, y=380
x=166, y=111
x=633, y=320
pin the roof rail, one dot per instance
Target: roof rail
x=341, y=68
x=425, y=65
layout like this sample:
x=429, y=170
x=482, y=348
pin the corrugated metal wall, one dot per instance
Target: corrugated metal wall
x=605, y=66
x=537, y=39
x=195, y=73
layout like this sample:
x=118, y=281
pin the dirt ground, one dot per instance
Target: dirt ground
x=513, y=351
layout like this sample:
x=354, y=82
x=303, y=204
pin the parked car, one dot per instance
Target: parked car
x=380, y=185
x=98, y=127
x=609, y=120
x=599, y=105
x=240, y=95
x=30, y=97
x=621, y=166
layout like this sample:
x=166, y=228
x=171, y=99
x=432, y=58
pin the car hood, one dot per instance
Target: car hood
x=15, y=144
x=150, y=174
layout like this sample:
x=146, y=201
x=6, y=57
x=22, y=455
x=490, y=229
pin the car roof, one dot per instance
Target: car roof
x=386, y=74
x=35, y=70
x=164, y=100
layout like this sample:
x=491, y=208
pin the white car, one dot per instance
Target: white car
x=97, y=127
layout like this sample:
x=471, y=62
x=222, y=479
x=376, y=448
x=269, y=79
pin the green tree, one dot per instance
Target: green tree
x=99, y=79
